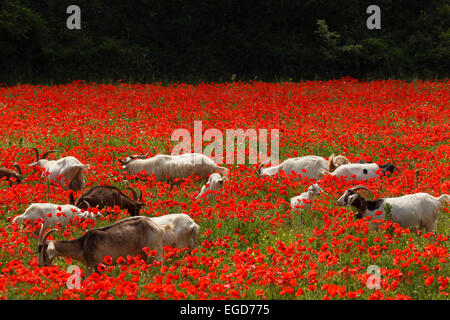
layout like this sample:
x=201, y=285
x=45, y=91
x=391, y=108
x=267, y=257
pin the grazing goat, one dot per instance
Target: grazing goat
x=11, y=174
x=168, y=167
x=419, y=210
x=127, y=237
x=180, y=232
x=387, y=168
x=109, y=196
x=68, y=169
x=305, y=199
x=312, y=167
x=363, y=171
x=52, y=214
x=215, y=183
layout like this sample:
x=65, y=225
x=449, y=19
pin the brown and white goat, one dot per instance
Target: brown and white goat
x=418, y=210
x=127, y=237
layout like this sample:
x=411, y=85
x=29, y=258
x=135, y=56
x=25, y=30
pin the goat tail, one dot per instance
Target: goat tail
x=19, y=219
x=194, y=236
x=444, y=198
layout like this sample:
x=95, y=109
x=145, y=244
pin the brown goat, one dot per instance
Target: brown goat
x=127, y=237
x=109, y=196
x=9, y=174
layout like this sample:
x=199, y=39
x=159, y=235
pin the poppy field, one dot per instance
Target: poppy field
x=251, y=244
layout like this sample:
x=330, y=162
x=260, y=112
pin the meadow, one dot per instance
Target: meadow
x=251, y=244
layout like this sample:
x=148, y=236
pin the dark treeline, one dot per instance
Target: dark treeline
x=204, y=40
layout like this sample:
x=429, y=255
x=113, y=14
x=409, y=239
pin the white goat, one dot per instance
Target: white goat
x=179, y=229
x=363, y=171
x=68, y=169
x=311, y=166
x=215, y=183
x=419, y=210
x=299, y=201
x=168, y=167
x=53, y=213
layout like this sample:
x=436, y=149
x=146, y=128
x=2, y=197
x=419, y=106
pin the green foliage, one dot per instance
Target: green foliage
x=148, y=41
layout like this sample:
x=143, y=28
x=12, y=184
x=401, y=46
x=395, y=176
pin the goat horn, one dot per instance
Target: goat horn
x=140, y=196
x=258, y=171
x=47, y=153
x=359, y=186
x=40, y=232
x=145, y=155
x=44, y=238
x=140, y=156
x=134, y=193
x=19, y=169
x=87, y=203
x=36, y=152
x=123, y=162
x=71, y=199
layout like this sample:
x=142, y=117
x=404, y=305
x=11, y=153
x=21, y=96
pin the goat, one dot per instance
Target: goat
x=109, y=196
x=52, y=214
x=182, y=231
x=11, y=174
x=68, y=169
x=298, y=201
x=357, y=171
x=314, y=166
x=215, y=183
x=168, y=167
x=363, y=171
x=419, y=210
x=127, y=237
x=387, y=168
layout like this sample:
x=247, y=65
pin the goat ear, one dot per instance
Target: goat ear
x=352, y=199
x=32, y=164
x=51, y=250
